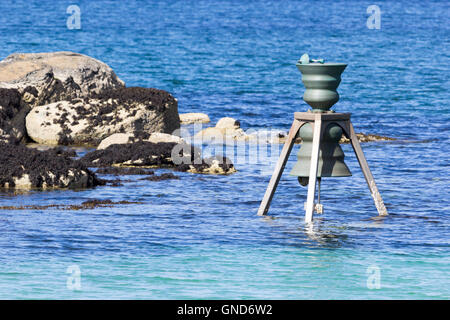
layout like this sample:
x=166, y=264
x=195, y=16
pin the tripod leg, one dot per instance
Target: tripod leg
x=379, y=204
x=313, y=170
x=265, y=203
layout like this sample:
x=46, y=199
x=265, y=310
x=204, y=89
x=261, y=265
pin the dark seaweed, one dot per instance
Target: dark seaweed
x=89, y=204
x=154, y=99
x=151, y=154
x=11, y=104
x=17, y=160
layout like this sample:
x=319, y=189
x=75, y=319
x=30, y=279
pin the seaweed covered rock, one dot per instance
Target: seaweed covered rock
x=26, y=168
x=12, y=116
x=211, y=165
x=90, y=120
x=141, y=154
x=182, y=157
x=43, y=78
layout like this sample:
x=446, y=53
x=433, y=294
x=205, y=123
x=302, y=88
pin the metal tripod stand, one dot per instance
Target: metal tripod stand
x=318, y=122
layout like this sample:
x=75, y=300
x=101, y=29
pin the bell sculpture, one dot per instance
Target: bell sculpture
x=321, y=81
x=320, y=130
x=331, y=157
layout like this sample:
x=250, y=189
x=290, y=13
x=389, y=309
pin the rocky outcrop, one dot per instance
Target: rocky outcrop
x=43, y=78
x=12, y=116
x=90, y=120
x=26, y=168
x=76, y=100
x=189, y=118
x=144, y=154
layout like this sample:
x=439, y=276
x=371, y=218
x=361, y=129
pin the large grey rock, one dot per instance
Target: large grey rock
x=43, y=78
x=90, y=120
x=12, y=116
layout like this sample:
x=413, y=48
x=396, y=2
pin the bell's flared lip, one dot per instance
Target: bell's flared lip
x=327, y=64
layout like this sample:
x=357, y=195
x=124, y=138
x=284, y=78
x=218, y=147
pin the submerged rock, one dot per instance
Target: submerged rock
x=12, y=116
x=164, y=176
x=43, y=78
x=90, y=120
x=26, y=168
x=88, y=204
x=362, y=137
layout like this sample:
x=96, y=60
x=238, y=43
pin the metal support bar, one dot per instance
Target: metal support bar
x=379, y=204
x=281, y=163
x=317, y=135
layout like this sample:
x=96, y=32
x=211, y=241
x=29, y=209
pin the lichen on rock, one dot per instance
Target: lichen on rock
x=90, y=120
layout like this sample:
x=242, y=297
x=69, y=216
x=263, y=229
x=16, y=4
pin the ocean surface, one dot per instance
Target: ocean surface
x=199, y=237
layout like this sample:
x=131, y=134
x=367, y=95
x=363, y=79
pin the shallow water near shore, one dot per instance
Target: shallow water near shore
x=199, y=237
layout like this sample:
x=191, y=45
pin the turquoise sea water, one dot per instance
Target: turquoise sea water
x=199, y=237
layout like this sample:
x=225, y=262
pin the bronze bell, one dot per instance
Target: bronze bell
x=331, y=157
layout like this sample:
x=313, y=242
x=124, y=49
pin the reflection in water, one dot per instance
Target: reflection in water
x=300, y=234
x=322, y=234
